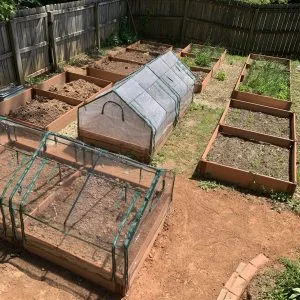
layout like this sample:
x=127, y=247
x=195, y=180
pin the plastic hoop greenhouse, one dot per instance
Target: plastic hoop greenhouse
x=88, y=210
x=136, y=116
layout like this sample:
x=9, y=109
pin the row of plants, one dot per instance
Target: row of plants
x=204, y=56
x=267, y=78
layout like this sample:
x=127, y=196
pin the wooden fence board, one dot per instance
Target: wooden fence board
x=7, y=68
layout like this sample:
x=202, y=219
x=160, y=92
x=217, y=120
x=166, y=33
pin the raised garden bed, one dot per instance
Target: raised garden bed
x=203, y=61
x=261, y=119
x=150, y=47
x=42, y=110
x=112, y=70
x=132, y=56
x=265, y=80
x=76, y=86
x=250, y=160
x=92, y=212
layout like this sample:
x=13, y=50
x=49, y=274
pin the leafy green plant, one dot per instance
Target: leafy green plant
x=203, y=59
x=221, y=75
x=287, y=282
x=7, y=9
x=296, y=294
x=267, y=78
x=207, y=185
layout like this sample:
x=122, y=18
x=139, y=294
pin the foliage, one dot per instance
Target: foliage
x=221, y=75
x=207, y=185
x=7, y=9
x=287, y=282
x=125, y=35
x=267, y=78
x=203, y=59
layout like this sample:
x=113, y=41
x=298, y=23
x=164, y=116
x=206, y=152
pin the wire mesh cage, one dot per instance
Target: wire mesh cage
x=137, y=114
x=86, y=209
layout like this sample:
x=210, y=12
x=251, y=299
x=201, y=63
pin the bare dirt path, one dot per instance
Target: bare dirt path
x=205, y=237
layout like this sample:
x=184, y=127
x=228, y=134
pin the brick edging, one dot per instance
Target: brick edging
x=240, y=278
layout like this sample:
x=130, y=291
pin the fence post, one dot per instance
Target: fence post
x=250, y=36
x=97, y=26
x=187, y=2
x=16, y=50
x=53, y=46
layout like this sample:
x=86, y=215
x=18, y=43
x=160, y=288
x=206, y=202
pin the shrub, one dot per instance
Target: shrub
x=7, y=8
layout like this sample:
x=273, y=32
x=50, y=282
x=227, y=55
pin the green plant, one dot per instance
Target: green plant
x=280, y=197
x=203, y=59
x=7, y=9
x=267, y=78
x=221, y=75
x=296, y=294
x=207, y=185
x=287, y=282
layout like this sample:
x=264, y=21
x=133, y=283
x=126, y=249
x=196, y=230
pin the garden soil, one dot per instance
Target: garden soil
x=140, y=57
x=41, y=111
x=206, y=235
x=79, y=89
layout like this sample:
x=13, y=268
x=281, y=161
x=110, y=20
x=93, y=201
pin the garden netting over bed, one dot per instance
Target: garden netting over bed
x=80, y=206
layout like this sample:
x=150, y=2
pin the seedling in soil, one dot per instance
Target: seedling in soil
x=267, y=78
x=221, y=75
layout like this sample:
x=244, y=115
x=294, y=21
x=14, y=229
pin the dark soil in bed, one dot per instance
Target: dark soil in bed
x=116, y=67
x=151, y=48
x=200, y=76
x=79, y=89
x=136, y=56
x=261, y=158
x=259, y=122
x=41, y=111
x=100, y=207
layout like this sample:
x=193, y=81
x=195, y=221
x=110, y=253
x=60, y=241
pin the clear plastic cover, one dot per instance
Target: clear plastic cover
x=156, y=94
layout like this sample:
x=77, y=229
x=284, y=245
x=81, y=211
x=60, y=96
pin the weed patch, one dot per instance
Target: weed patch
x=268, y=79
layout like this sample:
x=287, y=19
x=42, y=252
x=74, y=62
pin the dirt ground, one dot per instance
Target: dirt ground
x=206, y=235
x=41, y=111
x=79, y=89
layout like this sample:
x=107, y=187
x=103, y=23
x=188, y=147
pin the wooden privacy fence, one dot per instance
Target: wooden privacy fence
x=241, y=28
x=37, y=39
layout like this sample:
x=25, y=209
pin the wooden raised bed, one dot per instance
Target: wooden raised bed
x=201, y=85
x=22, y=99
x=261, y=99
x=244, y=178
x=153, y=48
x=78, y=253
x=132, y=56
x=266, y=111
x=113, y=74
x=67, y=77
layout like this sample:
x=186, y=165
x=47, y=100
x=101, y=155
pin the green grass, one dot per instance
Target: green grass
x=183, y=149
x=268, y=79
x=284, y=281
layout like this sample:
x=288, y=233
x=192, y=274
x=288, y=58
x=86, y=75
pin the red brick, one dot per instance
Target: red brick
x=259, y=260
x=238, y=287
x=240, y=267
x=231, y=280
x=249, y=272
x=222, y=294
x=231, y=296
